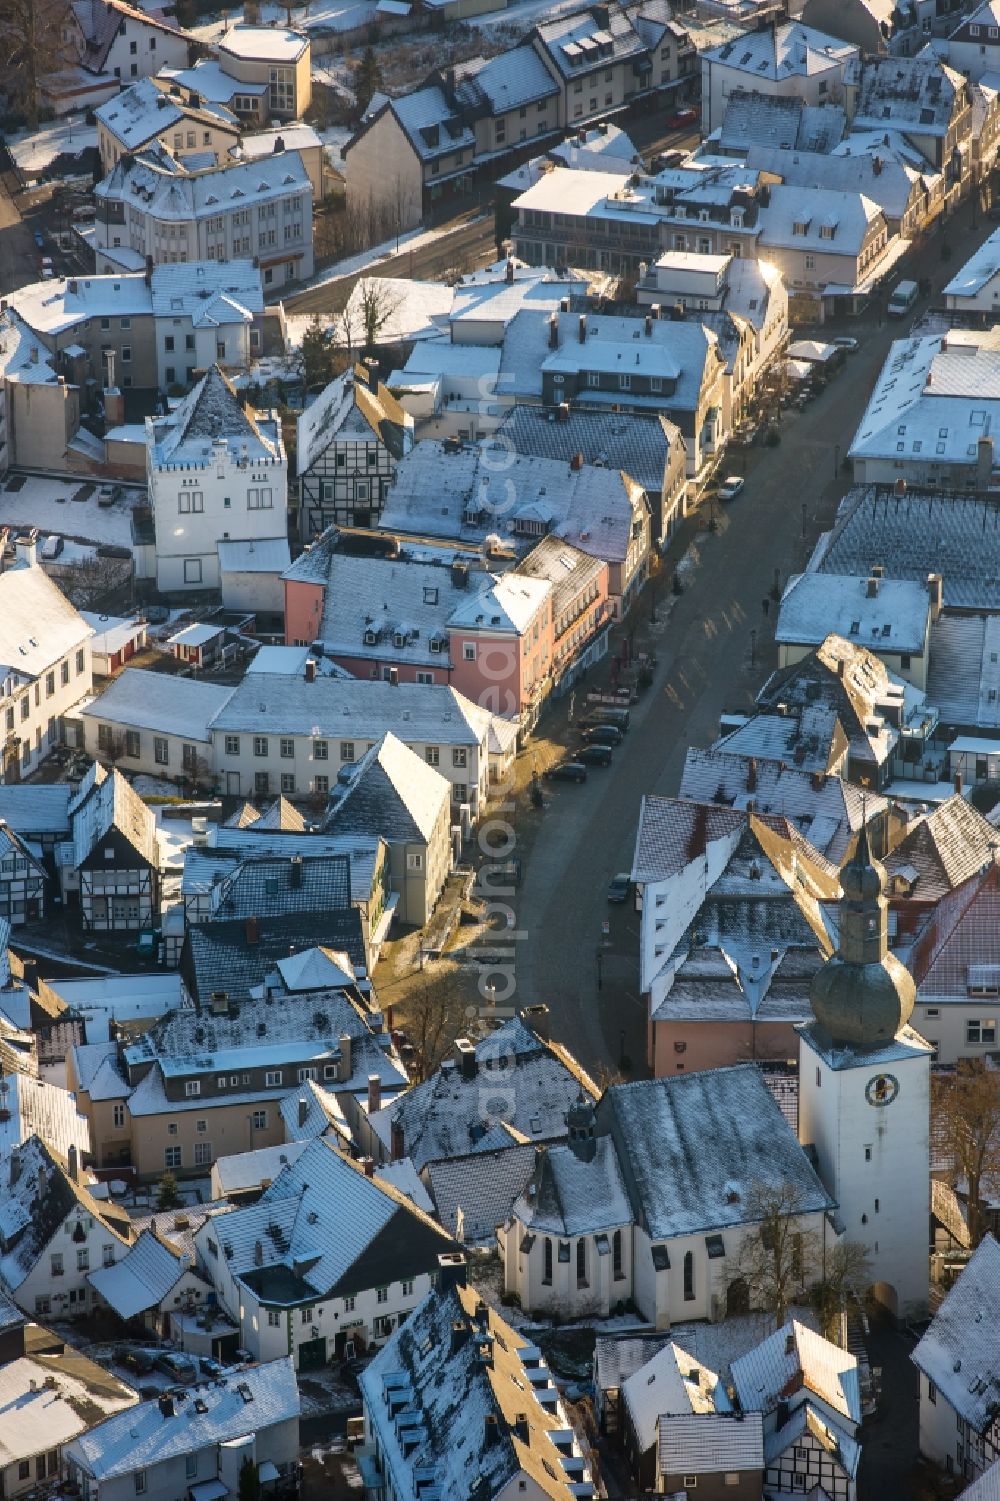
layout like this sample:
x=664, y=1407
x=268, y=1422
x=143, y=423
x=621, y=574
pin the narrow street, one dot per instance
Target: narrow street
x=704, y=668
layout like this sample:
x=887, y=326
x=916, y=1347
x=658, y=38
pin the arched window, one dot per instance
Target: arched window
x=689, y=1277
x=581, y=1262
x=616, y=1256
x=547, y=1262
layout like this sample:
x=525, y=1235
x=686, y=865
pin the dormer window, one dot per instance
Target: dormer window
x=370, y=637
x=399, y=638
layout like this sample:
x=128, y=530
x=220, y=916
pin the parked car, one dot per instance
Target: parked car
x=619, y=889
x=609, y=714
x=682, y=117
x=731, y=486
x=595, y=755
x=604, y=734
x=178, y=1367
x=846, y=343
x=52, y=546
x=211, y=1370
x=134, y=1359
x=39, y=239
x=567, y=771
x=106, y=496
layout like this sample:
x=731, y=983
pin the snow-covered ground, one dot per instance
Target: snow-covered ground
x=33, y=150
x=49, y=505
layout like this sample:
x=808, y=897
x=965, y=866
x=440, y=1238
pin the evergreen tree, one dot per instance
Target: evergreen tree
x=367, y=79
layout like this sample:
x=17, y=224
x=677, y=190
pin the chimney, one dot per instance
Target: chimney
x=251, y=930
x=554, y=331
x=303, y=1111
x=958, y=781
x=30, y=971
x=583, y=328
x=877, y=166
x=460, y=1332
x=649, y=325
x=149, y=260
x=258, y=1253
x=279, y=145
x=114, y=407
x=393, y=677
x=368, y=1163
x=562, y=411
x=310, y=669
x=935, y=588
x=451, y=1270
x=397, y=1144
x=841, y=668
x=510, y=273
x=519, y=1428
x=345, y=1056
x=73, y=1163
x=752, y=774
x=15, y=1166
x=537, y=1018
x=465, y=1057
x=295, y=872
x=26, y=547
x=576, y=462
x=167, y=1406
x=900, y=486
x=492, y=1430
x=219, y=1002
x=374, y=1094
x=871, y=587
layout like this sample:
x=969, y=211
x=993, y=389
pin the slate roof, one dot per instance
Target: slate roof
x=795, y=1355
x=673, y=1381
x=480, y=1189
x=671, y=833
x=247, y=1170
x=353, y=709
x=963, y=676
x=49, y=1396
x=35, y=1204
x=640, y=445
x=779, y=52
x=101, y=23
x=392, y=794
x=569, y=1196
x=274, y=887
x=346, y=404
x=449, y=1116
x=453, y=1392
x=573, y=41
x=703, y=1444
x=38, y=1108
x=98, y=1073
x=217, y=955
x=400, y=597
x=339, y=1232
x=211, y=411
x=659, y=1127
x=916, y=534
x=34, y=808
x=106, y=802
x=942, y=849
x=618, y=1356
x=826, y=809
x=142, y=1278
x=766, y=120
x=959, y=948
x=144, y=1437
x=508, y=81
x=915, y=93
x=807, y=1420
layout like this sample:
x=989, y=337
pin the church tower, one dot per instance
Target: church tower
x=864, y=1092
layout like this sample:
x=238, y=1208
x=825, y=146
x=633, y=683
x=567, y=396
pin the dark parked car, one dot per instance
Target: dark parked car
x=178, y=1367
x=603, y=734
x=594, y=755
x=619, y=888
x=140, y=1361
x=567, y=771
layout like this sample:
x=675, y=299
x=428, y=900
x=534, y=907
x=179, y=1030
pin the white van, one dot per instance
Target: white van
x=52, y=547
x=904, y=295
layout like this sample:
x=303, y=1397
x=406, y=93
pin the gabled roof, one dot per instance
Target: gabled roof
x=33, y=808
x=107, y=803
x=215, y=1412
x=943, y=849
x=392, y=793
x=450, y=1116
x=775, y=53
x=886, y=615
x=466, y=1409
x=221, y=956
x=703, y=1444
x=569, y=1196
x=264, y=886
x=102, y=21
x=919, y=94
x=959, y=948
x=659, y=1127
x=350, y=396
x=671, y=1381
x=473, y=1195
x=141, y=1279
x=212, y=411
x=808, y=1422
x=639, y=444
x=792, y=1357
x=139, y=699
x=38, y=1108
x=38, y=1196
x=339, y=1232
x=38, y=625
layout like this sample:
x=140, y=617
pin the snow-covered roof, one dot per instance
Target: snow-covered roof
x=473, y=1195
x=243, y=1171
x=112, y=632
x=887, y=615
x=262, y=555
x=140, y=113
x=808, y=1421
x=141, y=1279
x=38, y=1197
x=160, y=701
x=775, y=53
x=919, y=94
x=38, y=1108
x=671, y=1381
x=959, y=1352
x=155, y=186
x=38, y=625
x=207, y=79
x=570, y=1196
x=341, y=1232
x=883, y=179
x=353, y=709
x=207, y=292
x=47, y=1400
x=34, y=808
x=215, y=1412
x=936, y=396
x=271, y=44
x=392, y=793
x=433, y=1363
x=793, y=1353
x=510, y=80
x=817, y=218
x=583, y=40
x=122, y=998
x=638, y=443
x=213, y=413
x=106, y=801
x=659, y=1127
x=978, y=271
x=95, y=1065
x=510, y=604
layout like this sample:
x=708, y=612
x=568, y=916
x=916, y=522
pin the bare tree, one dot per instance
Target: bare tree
x=96, y=583
x=369, y=309
x=966, y=1118
x=776, y=1257
x=37, y=40
x=433, y=1015
x=846, y=1279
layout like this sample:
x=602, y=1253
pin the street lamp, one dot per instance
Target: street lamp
x=753, y=647
x=836, y=460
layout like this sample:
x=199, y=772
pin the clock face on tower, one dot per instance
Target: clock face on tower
x=881, y=1089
